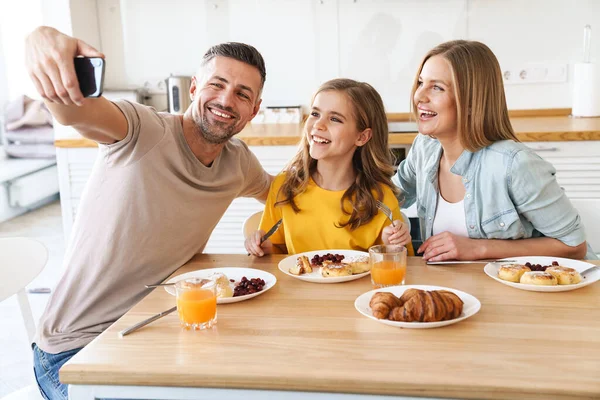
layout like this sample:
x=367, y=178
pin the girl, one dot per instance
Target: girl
x=470, y=178
x=327, y=195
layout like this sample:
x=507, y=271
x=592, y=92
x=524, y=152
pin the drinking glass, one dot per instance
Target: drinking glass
x=388, y=265
x=197, y=303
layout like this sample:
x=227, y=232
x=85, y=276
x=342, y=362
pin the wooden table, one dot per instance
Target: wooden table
x=304, y=340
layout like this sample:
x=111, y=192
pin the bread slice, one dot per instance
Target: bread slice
x=359, y=264
x=331, y=269
x=302, y=266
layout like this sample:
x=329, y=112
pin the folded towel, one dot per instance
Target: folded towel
x=25, y=111
x=29, y=135
x=30, y=150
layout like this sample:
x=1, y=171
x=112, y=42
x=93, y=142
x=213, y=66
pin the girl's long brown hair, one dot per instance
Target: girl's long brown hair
x=372, y=162
x=482, y=115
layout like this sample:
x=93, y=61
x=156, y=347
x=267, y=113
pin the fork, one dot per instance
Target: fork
x=386, y=210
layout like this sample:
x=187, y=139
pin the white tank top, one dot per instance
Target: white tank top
x=450, y=217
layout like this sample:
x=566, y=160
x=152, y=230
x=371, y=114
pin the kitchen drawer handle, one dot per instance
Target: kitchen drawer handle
x=546, y=149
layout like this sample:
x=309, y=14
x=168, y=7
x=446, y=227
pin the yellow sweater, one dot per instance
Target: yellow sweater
x=314, y=226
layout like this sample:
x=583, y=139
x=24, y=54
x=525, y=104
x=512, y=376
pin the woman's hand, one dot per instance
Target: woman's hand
x=254, y=247
x=49, y=58
x=396, y=234
x=448, y=246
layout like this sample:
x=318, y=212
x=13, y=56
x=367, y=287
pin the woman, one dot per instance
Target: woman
x=327, y=195
x=468, y=174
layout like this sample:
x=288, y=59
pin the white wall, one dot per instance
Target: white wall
x=305, y=42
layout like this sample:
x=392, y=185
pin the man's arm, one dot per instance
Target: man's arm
x=263, y=196
x=49, y=59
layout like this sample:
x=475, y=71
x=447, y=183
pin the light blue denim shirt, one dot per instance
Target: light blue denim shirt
x=511, y=192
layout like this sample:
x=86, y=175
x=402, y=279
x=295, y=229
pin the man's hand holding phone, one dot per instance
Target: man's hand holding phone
x=50, y=62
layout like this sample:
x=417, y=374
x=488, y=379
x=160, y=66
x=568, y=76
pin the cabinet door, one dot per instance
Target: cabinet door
x=577, y=166
x=228, y=236
x=578, y=173
x=74, y=169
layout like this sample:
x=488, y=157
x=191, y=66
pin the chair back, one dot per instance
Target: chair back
x=251, y=223
x=21, y=261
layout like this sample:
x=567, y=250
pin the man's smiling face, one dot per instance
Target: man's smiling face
x=226, y=95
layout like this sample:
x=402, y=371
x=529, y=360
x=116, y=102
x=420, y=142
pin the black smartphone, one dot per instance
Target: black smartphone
x=90, y=74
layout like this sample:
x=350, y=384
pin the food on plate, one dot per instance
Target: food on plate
x=417, y=305
x=223, y=287
x=537, y=274
x=382, y=303
x=539, y=267
x=331, y=265
x=564, y=275
x=359, y=264
x=539, y=278
x=248, y=286
x=512, y=272
x=302, y=266
x=331, y=269
x=317, y=260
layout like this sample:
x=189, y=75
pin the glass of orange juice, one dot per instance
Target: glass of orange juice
x=388, y=265
x=197, y=303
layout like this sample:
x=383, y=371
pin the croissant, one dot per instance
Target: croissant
x=427, y=306
x=382, y=303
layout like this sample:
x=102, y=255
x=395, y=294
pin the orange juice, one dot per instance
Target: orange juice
x=196, y=307
x=388, y=273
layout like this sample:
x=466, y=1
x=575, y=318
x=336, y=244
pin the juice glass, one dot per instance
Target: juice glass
x=197, y=303
x=388, y=265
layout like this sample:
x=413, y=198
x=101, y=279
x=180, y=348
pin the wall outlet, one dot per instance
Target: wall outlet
x=535, y=73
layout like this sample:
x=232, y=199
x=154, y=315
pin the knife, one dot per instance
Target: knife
x=468, y=262
x=271, y=231
x=146, y=321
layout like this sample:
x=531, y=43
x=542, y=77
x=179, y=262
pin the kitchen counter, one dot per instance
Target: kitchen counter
x=528, y=129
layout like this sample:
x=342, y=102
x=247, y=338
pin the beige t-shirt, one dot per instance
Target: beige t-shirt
x=148, y=207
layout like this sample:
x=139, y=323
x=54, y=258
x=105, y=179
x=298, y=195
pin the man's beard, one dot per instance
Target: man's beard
x=216, y=132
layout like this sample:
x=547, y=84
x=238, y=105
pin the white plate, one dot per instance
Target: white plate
x=470, y=307
x=315, y=276
x=235, y=273
x=492, y=271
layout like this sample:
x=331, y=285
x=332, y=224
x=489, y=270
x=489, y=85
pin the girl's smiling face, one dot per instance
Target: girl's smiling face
x=331, y=127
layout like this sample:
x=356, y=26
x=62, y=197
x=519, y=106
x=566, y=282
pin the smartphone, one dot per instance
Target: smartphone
x=90, y=74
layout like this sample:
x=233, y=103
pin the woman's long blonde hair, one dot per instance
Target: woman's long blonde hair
x=482, y=115
x=373, y=162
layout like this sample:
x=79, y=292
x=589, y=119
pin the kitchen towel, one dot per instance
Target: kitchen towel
x=586, y=90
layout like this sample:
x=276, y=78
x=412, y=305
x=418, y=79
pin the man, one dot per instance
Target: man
x=159, y=187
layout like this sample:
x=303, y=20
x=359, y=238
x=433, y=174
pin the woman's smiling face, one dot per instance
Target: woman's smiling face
x=435, y=99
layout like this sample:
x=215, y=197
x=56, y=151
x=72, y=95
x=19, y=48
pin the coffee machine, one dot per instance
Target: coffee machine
x=178, y=93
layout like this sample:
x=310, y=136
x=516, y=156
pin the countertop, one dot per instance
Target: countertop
x=308, y=337
x=528, y=129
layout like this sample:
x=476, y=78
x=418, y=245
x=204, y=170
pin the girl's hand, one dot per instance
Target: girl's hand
x=254, y=247
x=396, y=234
x=448, y=246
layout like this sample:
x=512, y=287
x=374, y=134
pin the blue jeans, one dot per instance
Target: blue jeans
x=45, y=367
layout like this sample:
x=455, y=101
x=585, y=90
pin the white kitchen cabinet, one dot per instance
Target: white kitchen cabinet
x=228, y=236
x=577, y=166
x=577, y=171
x=75, y=166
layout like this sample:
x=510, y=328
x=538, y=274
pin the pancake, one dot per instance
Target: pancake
x=539, y=278
x=512, y=272
x=564, y=275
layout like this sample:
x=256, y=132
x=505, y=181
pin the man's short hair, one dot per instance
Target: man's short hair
x=241, y=52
